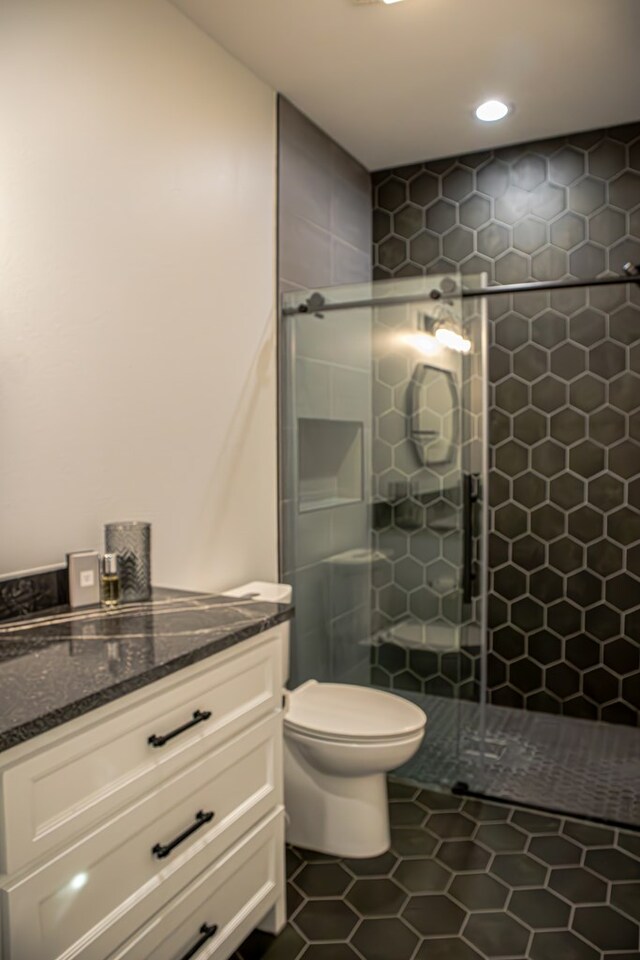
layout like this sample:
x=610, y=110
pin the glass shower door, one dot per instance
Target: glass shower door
x=383, y=464
x=325, y=488
x=428, y=459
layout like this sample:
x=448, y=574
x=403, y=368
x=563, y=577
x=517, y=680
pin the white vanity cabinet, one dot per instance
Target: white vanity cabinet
x=152, y=826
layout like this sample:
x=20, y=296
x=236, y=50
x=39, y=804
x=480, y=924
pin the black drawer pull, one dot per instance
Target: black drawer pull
x=162, y=850
x=207, y=932
x=159, y=741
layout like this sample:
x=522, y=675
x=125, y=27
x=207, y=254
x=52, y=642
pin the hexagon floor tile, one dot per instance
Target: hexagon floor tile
x=522, y=904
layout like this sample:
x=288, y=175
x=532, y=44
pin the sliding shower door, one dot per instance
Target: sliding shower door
x=326, y=424
x=383, y=467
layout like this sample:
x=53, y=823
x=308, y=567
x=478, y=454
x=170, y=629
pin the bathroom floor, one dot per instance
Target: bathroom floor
x=465, y=880
x=560, y=763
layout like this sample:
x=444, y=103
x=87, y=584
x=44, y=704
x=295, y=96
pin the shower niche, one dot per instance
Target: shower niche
x=330, y=463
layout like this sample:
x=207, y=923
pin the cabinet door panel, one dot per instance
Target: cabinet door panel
x=56, y=795
x=100, y=889
x=233, y=896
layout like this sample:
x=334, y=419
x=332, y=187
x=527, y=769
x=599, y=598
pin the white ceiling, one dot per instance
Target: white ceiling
x=396, y=84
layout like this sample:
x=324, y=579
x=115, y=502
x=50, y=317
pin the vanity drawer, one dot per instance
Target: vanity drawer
x=55, y=796
x=89, y=899
x=233, y=896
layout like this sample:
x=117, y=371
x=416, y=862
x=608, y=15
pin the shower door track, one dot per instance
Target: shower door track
x=461, y=789
x=317, y=304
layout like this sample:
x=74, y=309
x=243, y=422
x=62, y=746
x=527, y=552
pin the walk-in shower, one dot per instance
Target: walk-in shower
x=453, y=553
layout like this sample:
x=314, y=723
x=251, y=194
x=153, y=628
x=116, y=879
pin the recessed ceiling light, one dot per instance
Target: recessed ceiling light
x=492, y=110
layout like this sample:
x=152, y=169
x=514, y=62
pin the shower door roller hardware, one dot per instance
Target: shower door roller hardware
x=199, y=716
x=460, y=787
x=470, y=498
x=162, y=850
x=207, y=932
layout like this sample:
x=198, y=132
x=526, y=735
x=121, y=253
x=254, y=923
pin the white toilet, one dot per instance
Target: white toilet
x=340, y=741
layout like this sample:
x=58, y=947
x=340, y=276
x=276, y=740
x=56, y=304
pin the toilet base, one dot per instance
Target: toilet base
x=346, y=816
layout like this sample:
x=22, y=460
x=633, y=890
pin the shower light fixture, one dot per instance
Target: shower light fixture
x=492, y=110
x=452, y=340
x=439, y=325
x=421, y=342
x=428, y=344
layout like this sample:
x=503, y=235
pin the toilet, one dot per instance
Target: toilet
x=340, y=741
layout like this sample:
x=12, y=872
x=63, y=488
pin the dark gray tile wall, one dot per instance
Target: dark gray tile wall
x=564, y=486
x=324, y=220
x=324, y=207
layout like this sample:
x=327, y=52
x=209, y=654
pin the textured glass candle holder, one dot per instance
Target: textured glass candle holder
x=132, y=542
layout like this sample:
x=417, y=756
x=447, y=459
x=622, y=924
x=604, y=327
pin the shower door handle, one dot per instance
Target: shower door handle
x=470, y=498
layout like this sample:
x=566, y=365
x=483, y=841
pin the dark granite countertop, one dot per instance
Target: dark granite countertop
x=57, y=667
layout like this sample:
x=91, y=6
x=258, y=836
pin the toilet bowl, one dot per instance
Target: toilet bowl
x=339, y=742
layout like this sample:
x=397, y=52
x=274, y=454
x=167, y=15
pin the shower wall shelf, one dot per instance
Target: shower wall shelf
x=330, y=463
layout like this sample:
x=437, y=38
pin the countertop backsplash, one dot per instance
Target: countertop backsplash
x=33, y=591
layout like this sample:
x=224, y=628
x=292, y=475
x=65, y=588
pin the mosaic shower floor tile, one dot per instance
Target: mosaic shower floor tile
x=580, y=767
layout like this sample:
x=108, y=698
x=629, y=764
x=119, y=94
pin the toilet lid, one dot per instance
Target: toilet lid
x=342, y=710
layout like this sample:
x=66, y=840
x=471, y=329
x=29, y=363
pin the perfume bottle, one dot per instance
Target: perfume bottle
x=110, y=581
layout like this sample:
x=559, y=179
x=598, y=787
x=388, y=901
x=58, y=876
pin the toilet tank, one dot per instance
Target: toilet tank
x=270, y=593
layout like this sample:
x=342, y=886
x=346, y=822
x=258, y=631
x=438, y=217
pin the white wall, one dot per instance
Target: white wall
x=137, y=328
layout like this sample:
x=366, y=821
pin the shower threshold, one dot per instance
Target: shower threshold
x=557, y=763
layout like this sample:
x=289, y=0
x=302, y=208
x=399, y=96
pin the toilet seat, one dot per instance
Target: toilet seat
x=344, y=713
x=363, y=742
